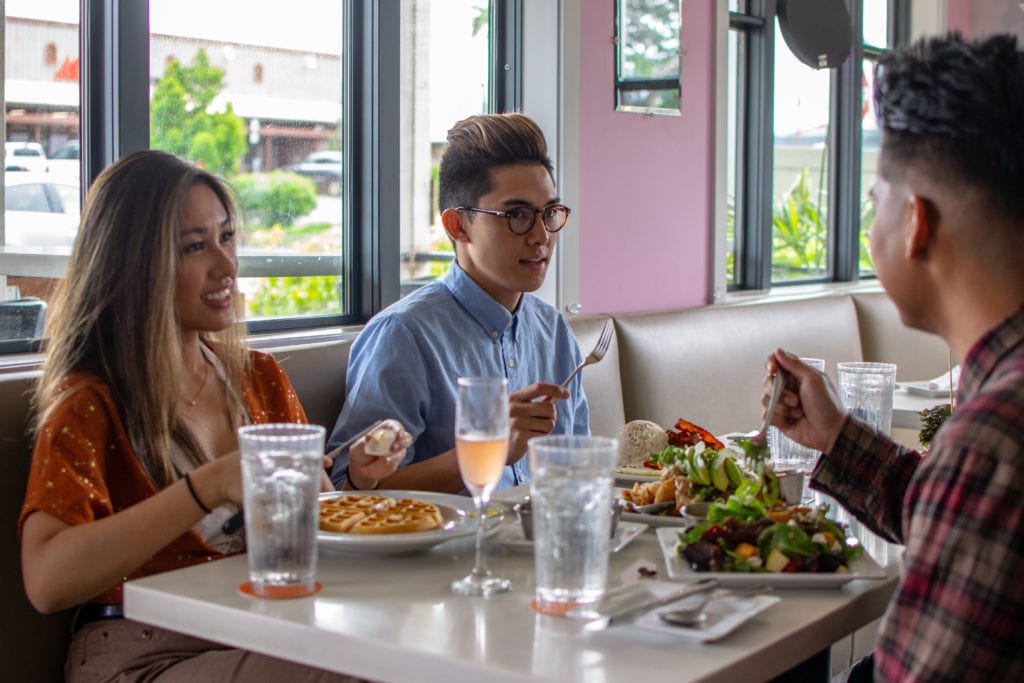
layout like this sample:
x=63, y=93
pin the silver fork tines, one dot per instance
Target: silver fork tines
x=595, y=356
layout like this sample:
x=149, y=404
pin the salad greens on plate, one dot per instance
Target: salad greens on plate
x=751, y=533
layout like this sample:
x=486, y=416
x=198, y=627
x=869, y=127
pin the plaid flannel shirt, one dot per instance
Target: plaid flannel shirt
x=958, y=610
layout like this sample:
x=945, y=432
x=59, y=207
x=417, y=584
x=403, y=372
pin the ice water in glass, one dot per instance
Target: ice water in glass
x=571, y=484
x=281, y=483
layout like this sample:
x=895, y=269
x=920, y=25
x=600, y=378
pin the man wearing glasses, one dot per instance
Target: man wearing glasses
x=500, y=209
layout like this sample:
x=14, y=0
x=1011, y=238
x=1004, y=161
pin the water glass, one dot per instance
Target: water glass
x=786, y=453
x=570, y=493
x=281, y=465
x=866, y=390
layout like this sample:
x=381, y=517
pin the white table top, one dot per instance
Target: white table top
x=906, y=408
x=392, y=618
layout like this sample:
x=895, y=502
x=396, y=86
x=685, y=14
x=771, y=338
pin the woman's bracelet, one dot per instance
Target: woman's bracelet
x=356, y=488
x=195, y=496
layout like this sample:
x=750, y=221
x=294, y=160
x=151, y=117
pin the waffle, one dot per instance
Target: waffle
x=378, y=515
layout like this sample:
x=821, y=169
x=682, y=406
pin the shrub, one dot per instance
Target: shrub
x=275, y=198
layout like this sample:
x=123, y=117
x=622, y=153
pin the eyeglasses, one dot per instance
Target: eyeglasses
x=522, y=218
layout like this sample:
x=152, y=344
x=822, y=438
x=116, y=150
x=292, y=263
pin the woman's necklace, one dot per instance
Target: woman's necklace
x=202, y=385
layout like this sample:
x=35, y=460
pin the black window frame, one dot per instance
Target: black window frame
x=755, y=158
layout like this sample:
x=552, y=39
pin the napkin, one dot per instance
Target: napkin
x=724, y=614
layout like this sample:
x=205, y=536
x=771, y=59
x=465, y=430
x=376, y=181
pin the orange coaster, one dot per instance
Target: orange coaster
x=554, y=609
x=279, y=592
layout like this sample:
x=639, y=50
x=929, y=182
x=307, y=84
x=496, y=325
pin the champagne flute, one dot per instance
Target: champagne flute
x=481, y=447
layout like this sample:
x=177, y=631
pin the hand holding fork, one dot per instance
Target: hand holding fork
x=595, y=356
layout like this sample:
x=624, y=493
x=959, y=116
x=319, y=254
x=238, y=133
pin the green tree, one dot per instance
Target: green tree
x=651, y=38
x=181, y=121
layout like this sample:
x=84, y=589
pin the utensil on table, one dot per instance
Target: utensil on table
x=235, y=521
x=687, y=616
x=755, y=445
x=694, y=615
x=597, y=353
x=632, y=600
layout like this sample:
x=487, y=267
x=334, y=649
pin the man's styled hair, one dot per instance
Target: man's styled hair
x=479, y=144
x=956, y=108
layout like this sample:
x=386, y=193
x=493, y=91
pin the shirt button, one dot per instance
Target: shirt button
x=511, y=362
x=494, y=334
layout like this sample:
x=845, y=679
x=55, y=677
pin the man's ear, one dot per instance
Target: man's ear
x=452, y=222
x=920, y=229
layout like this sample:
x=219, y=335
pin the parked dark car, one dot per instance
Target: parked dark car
x=324, y=168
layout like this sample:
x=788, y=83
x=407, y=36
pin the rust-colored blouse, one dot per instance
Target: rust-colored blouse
x=84, y=467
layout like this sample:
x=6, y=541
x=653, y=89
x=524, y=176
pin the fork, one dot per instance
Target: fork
x=755, y=444
x=597, y=353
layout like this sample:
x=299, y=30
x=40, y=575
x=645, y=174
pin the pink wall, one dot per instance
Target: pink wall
x=980, y=19
x=958, y=16
x=646, y=183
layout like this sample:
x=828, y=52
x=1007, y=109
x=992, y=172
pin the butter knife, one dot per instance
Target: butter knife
x=235, y=521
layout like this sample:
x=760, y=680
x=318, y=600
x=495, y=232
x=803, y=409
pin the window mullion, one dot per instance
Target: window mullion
x=506, y=29
x=845, y=161
x=371, y=108
x=114, y=45
x=756, y=271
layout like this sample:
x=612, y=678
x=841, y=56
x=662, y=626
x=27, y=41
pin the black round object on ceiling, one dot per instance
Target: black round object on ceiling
x=817, y=31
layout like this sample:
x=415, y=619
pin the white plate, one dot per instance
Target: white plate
x=628, y=478
x=458, y=512
x=924, y=389
x=864, y=568
x=658, y=520
x=511, y=537
x=724, y=614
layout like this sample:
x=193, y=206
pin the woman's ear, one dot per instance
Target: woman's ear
x=452, y=222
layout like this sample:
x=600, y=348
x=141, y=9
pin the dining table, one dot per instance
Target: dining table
x=394, y=618
x=907, y=407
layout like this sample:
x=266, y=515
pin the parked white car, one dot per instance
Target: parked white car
x=40, y=210
x=25, y=156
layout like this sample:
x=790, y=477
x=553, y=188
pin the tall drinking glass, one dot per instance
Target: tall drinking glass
x=281, y=465
x=866, y=390
x=481, y=447
x=789, y=455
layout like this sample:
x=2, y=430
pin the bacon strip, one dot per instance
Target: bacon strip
x=690, y=434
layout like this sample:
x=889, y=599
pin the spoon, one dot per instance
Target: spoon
x=694, y=615
x=687, y=616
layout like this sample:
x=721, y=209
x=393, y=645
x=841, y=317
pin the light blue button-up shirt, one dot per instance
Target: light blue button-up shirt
x=406, y=361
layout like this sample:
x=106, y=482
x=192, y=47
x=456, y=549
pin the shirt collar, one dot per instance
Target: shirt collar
x=988, y=351
x=489, y=314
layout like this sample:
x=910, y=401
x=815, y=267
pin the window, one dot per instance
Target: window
x=341, y=107
x=801, y=150
x=41, y=118
x=647, y=60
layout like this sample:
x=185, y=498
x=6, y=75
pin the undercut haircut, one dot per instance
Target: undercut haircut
x=955, y=109
x=478, y=145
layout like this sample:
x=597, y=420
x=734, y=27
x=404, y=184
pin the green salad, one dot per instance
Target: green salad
x=749, y=533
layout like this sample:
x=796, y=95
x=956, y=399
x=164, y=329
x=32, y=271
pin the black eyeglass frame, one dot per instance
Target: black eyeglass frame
x=507, y=215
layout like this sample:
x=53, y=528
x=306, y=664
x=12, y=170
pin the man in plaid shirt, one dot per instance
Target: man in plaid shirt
x=948, y=245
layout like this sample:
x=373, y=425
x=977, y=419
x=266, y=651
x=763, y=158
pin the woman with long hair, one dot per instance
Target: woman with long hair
x=146, y=380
